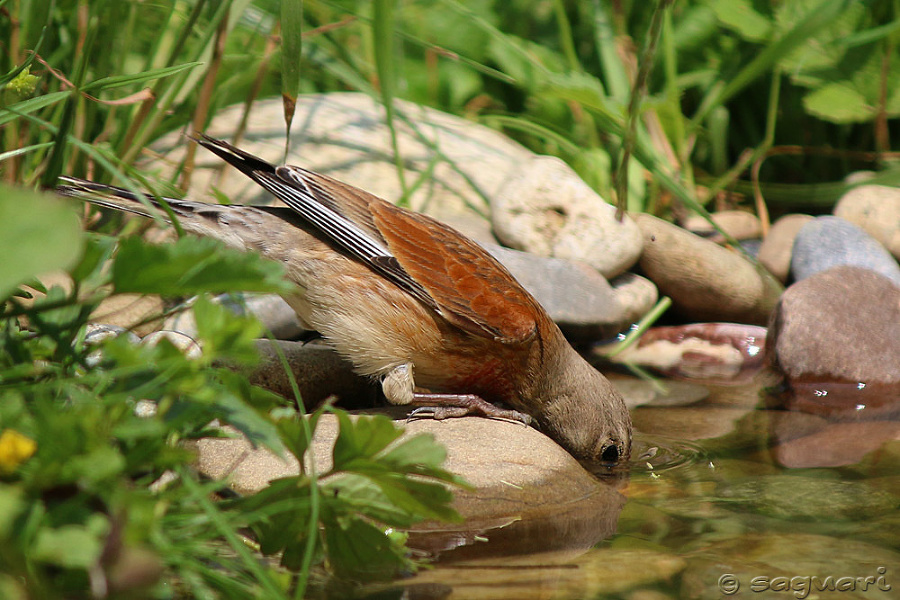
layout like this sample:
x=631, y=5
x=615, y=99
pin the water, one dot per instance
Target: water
x=723, y=499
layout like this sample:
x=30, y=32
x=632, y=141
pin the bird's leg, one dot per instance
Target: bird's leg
x=399, y=388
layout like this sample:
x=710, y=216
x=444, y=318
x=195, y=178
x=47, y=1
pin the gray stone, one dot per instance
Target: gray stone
x=639, y=392
x=188, y=345
x=546, y=209
x=776, y=249
x=842, y=324
x=705, y=281
x=828, y=242
x=271, y=310
x=687, y=423
x=876, y=209
x=319, y=371
x=576, y=296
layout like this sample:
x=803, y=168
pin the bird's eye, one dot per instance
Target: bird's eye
x=610, y=454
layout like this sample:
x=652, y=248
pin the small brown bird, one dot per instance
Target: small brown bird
x=411, y=301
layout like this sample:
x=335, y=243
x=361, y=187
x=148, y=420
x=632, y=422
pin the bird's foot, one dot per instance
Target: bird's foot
x=446, y=406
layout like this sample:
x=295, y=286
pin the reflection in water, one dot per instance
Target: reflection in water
x=722, y=490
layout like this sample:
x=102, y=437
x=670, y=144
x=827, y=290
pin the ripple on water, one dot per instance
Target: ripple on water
x=657, y=454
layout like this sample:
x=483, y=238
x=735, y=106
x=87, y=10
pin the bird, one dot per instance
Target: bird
x=409, y=301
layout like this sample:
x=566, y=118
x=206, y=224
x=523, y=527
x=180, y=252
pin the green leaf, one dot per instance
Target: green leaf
x=359, y=550
x=224, y=334
x=838, y=103
x=71, y=546
x=38, y=234
x=107, y=83
x=740, y=16
x=363, y=437
x=192, y=266
x=258, y=429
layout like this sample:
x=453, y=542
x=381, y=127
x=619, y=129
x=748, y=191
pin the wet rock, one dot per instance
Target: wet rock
x=842, y=325
x=638, y=392
x=687, y=423
x=516, y=471
x=704, y=351
x=836, y=444
x=546, y=209
x=705, y=281
x=876, y=209
x=575, y=295
x=827, y=242
x=271, y=310
x=777, y=247
x=739, y=224
x=319, y=371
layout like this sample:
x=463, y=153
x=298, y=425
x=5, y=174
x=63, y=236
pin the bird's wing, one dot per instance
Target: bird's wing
x=438, y=266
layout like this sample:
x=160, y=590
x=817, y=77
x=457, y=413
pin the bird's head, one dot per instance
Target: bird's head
x=584, y=413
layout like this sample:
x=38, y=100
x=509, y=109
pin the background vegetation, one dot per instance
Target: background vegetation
x=668, y=106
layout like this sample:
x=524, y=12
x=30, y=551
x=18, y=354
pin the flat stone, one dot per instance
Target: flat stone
x=777, y=247
x=139, y=313
x=705, y=281
x=839, y=325
x=876, y=209
x=827, y=242
x=700, y=351
x=546, y=209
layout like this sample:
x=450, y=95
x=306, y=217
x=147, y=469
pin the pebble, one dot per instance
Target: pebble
x=777, y=247
x=739, y=224
x=876, y=209
x=546, y=209
x=836, y=444
x=636, y=294
x=705, y=281
x=821, y=332
x=827, y=242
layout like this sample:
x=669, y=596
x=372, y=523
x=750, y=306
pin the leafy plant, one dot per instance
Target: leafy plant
x=97, y=494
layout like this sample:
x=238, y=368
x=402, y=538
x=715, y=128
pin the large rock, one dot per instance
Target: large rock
x=875, y=208
x=517, y=474
x=827, y=242
x=545, y=208
x=705, y=281
x=842, y=325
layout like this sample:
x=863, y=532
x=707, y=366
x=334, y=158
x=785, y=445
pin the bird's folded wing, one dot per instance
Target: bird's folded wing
x=445, y=271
